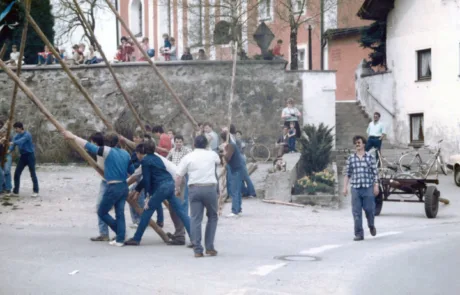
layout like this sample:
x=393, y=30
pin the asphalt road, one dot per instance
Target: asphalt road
x=272, y=249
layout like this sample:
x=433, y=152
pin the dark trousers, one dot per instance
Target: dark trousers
x=374, y=142
x=291, y=144
x=47, y=61
x=115, y=196
x=25, y=160
x=362, y=199
x=297, y=127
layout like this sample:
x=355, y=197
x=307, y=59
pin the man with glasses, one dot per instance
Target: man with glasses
x=361, y=169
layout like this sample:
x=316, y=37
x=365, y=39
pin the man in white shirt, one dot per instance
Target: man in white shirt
x=200, y=165
x=214, y=142
x=375, y=134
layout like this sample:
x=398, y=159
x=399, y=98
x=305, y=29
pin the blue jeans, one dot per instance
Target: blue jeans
x=25, y=160
x=362, y=199
x=136, y=218
x=115, y=195
x=374, y=142
x=235, y=191
x=48, y=61
x=247, y=187
x=7, y=171
x=163, y=191
x=291, y=144
x=103, y=228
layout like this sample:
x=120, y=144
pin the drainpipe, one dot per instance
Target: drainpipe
x=116, y=24
x=322, y=35
x=310, y=53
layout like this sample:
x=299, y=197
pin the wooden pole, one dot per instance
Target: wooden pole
x=16, y=87
x=66, y=69
x=2, y=52
x=154, y=67
x=109, y=66
x=49, y=116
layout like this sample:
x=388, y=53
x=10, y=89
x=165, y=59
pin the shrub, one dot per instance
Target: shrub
x=323, y=182
x=315, y=147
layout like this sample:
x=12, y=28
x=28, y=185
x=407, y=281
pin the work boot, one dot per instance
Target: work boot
x=100, y=239
x=131, y=242
x=358, y=238
x=199, y=255
x=211, y=252
x=373, y=231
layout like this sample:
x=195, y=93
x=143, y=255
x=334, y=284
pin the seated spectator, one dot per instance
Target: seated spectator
x=119, y=55
x=145, y=46
x=14, y=56
x=45, y=57
x=277, y=50
x=283, y=143
x=77, y=56
x=127, y=49
x=62, y=53
x=202, y=55
x=91, y=57
x=187, y=55
x=167, y=46
x=172, y=51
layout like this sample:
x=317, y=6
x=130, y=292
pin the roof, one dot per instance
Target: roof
x=376, y=9
x=337, y=33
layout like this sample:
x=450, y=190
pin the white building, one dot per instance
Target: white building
x=419, y=95
x=106, y=31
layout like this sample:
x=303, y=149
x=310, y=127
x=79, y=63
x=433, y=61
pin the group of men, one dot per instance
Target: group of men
x=155, y=173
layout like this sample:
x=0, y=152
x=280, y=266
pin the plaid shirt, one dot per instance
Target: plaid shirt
x=363, y=172
x=176, y=155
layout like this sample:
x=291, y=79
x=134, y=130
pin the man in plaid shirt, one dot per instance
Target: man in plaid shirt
x=362, y=170
x=175, y=155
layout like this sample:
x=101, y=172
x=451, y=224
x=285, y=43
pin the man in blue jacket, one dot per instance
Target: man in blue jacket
x=23, y=140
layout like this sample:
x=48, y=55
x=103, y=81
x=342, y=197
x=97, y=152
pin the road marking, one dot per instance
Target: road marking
x=390, y=233
x=266, y=269
x=317, y=250
x=237, y=292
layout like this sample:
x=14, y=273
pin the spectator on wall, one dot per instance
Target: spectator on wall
x=202, y=55
x=277, y=50
x=187, y=55
x=166, y=47
x=127, y=49
x=45, y=57
x=91, y=57
x=77, y=56
x=14, y=56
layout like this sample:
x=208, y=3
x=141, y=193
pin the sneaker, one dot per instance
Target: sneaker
x=131, y=242
x=100, y=239
x=211, y=252
x=373, y=231
x=232, y=215
x=34, y=195
x=199, y=255
x=133, y=226
x=357, y=238
x=16, y=195
x=115, y=243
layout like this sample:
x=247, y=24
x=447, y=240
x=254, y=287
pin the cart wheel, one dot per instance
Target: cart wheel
x=457, y=175
x=378, y=203
x=431, y=201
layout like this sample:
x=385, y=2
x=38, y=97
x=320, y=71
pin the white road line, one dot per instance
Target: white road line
x=237, y=292
x=390, y=233
x=266, y=269
x=317, y=250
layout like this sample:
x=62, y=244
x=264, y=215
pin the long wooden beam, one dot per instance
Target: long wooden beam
x=154, y=67
x=109, y=66
x=16, y=87
x=66, y=69
x=49, y=116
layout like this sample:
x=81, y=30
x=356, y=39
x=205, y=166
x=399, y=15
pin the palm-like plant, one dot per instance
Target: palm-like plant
x=315, y=146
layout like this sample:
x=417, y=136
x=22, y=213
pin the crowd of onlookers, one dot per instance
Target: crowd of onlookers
x=126, y=52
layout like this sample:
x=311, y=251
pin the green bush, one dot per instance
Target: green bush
x=315, y=147
x=322, y=182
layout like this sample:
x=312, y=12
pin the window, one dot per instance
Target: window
x=298, y=6
x=424, y=64
x=302, y=58
x=195, y=23
x=265, y=10
x=416, y=128
x=135, y=18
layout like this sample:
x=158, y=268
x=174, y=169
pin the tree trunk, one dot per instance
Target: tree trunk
x=294, y=54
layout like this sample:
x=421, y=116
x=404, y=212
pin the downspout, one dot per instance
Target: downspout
x=116, y=24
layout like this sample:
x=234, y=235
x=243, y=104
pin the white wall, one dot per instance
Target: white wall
x=415, y=25
x=318, y=94
x=376, y=94
x=105, y=32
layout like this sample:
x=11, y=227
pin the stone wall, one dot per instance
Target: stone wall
x=261, y=90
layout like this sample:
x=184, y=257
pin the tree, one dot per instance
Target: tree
x=69, y=20
x=374, y=37
x=41, y=13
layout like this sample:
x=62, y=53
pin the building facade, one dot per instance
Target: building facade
x=419, y=92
